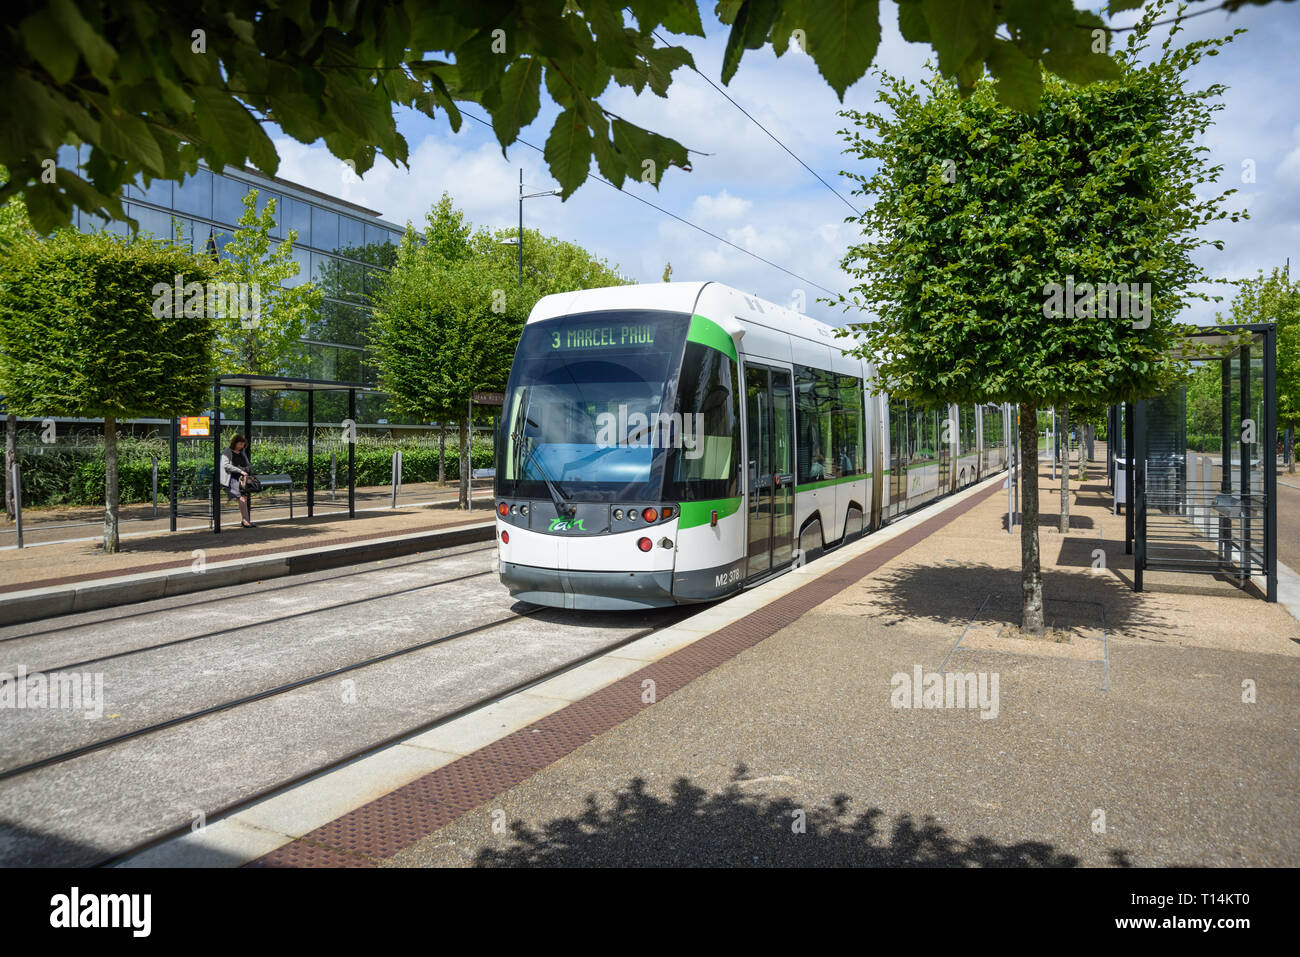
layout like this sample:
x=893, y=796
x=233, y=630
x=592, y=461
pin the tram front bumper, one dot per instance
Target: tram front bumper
x=588, y=590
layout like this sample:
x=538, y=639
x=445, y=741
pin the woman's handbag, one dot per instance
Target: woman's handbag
x=252, y=483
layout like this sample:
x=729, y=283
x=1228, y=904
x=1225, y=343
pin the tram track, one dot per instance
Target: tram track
x=81, y=750
x=217, y=599
x=296, y=616
x=392, y=739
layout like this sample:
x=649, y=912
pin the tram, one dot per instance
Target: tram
x=678, y=442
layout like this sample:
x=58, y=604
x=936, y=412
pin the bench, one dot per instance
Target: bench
x=280, y=480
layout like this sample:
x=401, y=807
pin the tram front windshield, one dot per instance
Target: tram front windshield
x=583, y=395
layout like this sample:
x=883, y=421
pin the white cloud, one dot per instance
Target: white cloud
x=720, y=207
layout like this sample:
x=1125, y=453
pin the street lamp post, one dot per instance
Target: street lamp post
x=523, y=196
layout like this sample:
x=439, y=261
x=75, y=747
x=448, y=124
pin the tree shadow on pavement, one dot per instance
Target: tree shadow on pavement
x=953, y=593
x=733, y=828
x=1053, y=521
x=267, y=533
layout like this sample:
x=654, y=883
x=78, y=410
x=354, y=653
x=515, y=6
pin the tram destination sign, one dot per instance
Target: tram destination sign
x=615, y=335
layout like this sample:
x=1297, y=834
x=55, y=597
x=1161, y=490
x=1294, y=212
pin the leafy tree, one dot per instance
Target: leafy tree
x=448, y=318
x=991, y=231
x=444, y=326
x=80, y=335
x=13, y=227
x=551, y=265
x=1276, y=298
x=262, y=342
x=154, y=90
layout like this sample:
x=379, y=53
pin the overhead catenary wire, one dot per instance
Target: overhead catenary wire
x=686, y=222
x=775, y=139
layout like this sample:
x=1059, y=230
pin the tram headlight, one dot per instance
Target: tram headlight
x=523, y=509
x=503, y=509
x=618, y=515
x=650, y=514
x=512, y=510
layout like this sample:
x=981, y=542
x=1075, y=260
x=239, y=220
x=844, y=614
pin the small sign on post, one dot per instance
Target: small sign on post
x=478, y=398
x=195, y=426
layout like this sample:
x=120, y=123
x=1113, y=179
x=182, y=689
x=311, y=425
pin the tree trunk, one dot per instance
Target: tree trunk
x=442, y=454
x=464, y=464
x=1031, y=575
x=1065, y=471
x=11, y=456
x=110, y=485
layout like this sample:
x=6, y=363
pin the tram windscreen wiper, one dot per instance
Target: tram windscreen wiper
x=561, y=501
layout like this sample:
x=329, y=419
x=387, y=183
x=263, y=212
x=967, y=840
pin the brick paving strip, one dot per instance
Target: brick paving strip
x=376, y=831
x=243, y=553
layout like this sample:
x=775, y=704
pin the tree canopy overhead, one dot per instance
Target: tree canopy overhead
x=994, y=237
x=155, y=87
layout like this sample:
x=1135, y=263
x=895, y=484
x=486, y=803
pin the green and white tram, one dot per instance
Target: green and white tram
x=678, y=442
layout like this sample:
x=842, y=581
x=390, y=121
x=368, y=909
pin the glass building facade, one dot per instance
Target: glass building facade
x=346, y=249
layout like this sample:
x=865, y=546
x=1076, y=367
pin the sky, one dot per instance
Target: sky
x=744, y=187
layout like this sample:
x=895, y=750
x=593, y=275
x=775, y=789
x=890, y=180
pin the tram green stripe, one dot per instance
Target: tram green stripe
x=809, y=486
x=708, y=333
x=699, y=513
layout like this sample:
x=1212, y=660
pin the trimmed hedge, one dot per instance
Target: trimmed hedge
x=74, y=475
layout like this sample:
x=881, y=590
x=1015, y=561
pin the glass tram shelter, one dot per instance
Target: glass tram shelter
x=1210, y=508
x=252, y=383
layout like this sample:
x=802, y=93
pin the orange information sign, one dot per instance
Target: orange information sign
x=193, y=426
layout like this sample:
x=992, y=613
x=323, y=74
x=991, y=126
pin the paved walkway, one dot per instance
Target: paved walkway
x=85, y=523
x=776, y=728
x=81, y=561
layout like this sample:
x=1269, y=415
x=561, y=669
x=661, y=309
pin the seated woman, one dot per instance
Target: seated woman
x=235, y=469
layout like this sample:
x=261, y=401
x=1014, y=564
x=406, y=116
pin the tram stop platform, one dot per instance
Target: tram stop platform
x=798, y=724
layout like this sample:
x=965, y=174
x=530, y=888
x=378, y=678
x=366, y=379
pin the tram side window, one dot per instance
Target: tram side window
x=810, y=448
x=847, y=426
x=925, y=422
x=993, y=437
x=825, y=465
x=816, y=405
x=898, y=435
x=704, y=467
x=966, y=429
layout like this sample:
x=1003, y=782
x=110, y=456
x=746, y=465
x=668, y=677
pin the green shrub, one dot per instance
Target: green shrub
x=72, y=473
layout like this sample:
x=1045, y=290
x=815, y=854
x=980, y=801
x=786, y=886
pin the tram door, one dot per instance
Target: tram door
x=945, y=429
x=769, y=407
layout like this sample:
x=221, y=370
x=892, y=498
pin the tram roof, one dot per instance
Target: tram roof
x=683, y=297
